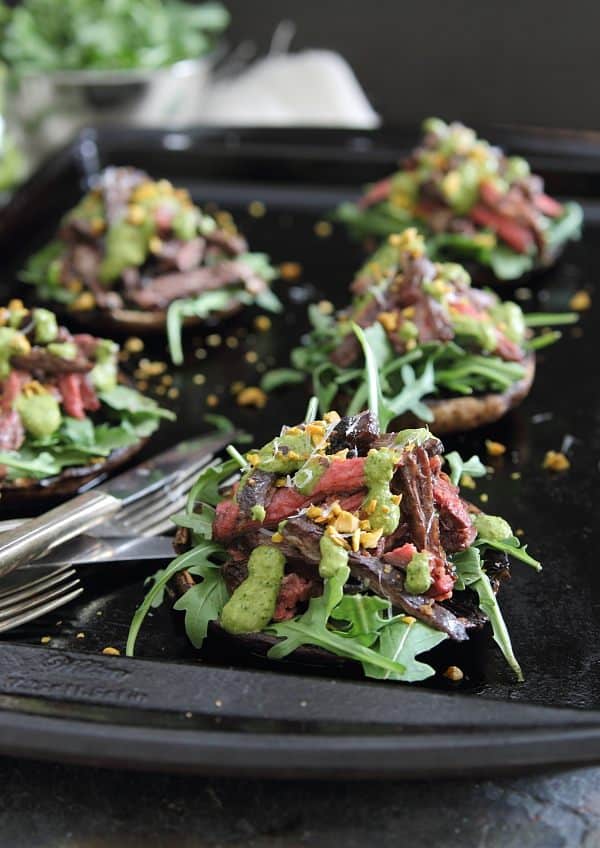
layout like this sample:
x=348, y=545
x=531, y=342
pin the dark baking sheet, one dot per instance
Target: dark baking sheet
x=172, y=709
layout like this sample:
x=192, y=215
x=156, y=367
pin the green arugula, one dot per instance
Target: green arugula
x=459, y=466
x=210, y=302
x=402, y=641
x=203, y=602
x=312, y=628
x=201, y=557
x=99, y=35
x=472, y=575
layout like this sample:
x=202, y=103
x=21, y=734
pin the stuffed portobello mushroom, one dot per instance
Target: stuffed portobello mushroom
x=340, y=540
x=66, y=415
x=138, y=254
x=449, y=354
x=472, y=202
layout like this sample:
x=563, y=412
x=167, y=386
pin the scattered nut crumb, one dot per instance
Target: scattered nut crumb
x=580, y=301
x=483, y=497
x=467, y=482
x=290, y=271
x=454, y=673
x=262, y=323
x=232, y=342
x=213, y=340
x=555, y=461
x=45, y=639
x=218, y=703
x=134, y=345
x=516, y=475
x=188, y=714
x=323, y=229
x=167, y=380
x=200, y=353
x=111, y=652
x=251, y=357
x=173, y=392
x=212, y=400
x=257, y=209
x=325, y=307
x=494, y=448
x=519, y=531
x=236, y=387
x=252, y=396
x=199, y=379
x=80, y=635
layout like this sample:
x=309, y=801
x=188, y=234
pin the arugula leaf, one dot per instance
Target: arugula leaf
x=402, y=641
x=206, y=488
x=511, y=546
x=197, y=307
x=550, y=319
x=125, y=399
x=203, y=602
x=311, y=629
x=363, y=616
x=24, y=463
x=196, y=557
x=568, y=226
x=117, y=35
x=372, y=373
x=459, y=466
x=79, y=432
x=409, y=398
x=200, y=523
x=472, y=575
x=281, y=377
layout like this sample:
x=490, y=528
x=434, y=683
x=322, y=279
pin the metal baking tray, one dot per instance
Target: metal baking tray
x=172, y=709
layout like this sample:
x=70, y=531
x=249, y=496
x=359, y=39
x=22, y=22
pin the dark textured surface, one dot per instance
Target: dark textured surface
x=46, y=805
x=553, y=617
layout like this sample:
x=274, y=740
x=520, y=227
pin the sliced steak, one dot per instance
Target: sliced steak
x=256, y=491
x=457, y=531
x=413, y=480
x=39, y=360
x=12, y=433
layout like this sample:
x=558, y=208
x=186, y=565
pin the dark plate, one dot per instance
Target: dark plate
x=174, y=710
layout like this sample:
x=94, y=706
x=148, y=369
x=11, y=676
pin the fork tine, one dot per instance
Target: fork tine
x=32, y=612
x=37, y=599
x=129, y=512
x=25, y=590
x=160, y=522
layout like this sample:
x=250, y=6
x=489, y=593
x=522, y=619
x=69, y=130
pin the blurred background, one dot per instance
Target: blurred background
x=169, y=63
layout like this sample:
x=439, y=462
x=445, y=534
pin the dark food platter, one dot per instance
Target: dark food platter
x=171, y=709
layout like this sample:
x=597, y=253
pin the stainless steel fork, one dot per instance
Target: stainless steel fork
x=149, y=516
x=29, y=601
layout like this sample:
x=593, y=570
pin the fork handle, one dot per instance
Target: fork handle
x=35, y=537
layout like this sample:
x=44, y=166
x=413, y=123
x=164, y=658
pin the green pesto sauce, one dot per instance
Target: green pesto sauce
x=482, y=332
x=10, y=343
x=40, y=414
x=307, y=477
x=126, y=246
x=274, y=456
x=510, y=315
x=379, y=470
x=104, y=373
x=251, y=606
x=64, y=350
x=45, y=326
x=258, y=513
x=492, y=527
x=418, y=576
x=333, y=557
